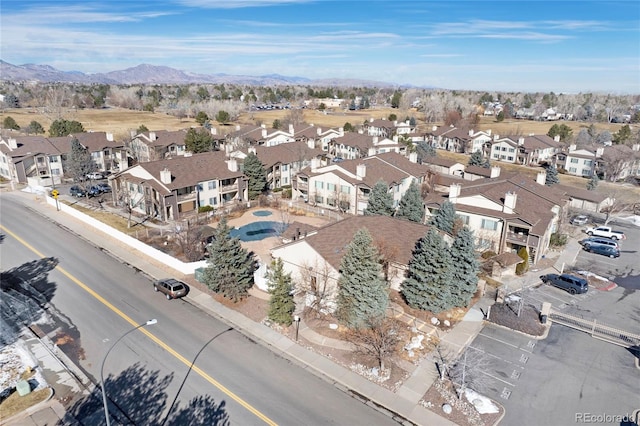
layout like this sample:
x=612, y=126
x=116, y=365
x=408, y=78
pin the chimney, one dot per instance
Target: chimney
x=495, y=172
x=264, y=126
x=251, y=150
x=311, y=144
x=13, y=143
x=341, y=131
x=361, y=171
x=556, y=138
x=496, y=137
x=572, y=147
x=110, y=137
x=520, y=141
x=319, y=131
x=214, y=131
x=470, y=132
x=636, y=147
x=541, y=178
x=152, y=136
x=510, y=199
x=237, y=127
x=489, y=132
x=413, y=157
x=395, y=138
x=375, y=140
x=264, y=133
x=165, y=176
x=232, y=165
x=291, y=129
x=315, y=163
x=434, y=128
x=599, y=152
x=454, y=192
x=132, y=134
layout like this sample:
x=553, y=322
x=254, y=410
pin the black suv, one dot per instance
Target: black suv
x=171, y=288
x=567, y=282
x=602, y=249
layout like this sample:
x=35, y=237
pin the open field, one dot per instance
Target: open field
x=120, y=121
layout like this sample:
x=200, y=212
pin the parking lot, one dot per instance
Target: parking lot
x=568, y=373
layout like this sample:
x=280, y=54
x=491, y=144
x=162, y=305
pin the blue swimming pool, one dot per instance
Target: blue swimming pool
x=258, y=230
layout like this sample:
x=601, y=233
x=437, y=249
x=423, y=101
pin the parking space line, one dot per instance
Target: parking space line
x=497, y=357
x=502, y=341
x=498, y=378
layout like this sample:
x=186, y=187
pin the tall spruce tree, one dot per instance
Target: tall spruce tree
x=380, y=200
x=79, y=162
x=362, y=292
x=254, y=170
x=427, y=286
x=281, y=303
x=230, y=267
x=464, y=280
x=593, y=182
x=411, y=205
x=552, y=176
x=476, y=159
x=445, y=217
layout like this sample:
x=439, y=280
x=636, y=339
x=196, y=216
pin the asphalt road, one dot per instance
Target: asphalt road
x=150, y=375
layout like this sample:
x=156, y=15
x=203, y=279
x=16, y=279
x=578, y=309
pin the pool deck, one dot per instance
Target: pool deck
x=263, y=247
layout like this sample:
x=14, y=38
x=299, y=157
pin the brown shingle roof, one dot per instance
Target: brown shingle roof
x=286, y=153
x=30, y=145
x=398, y=236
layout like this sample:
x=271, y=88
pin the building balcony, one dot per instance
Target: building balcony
x=223, y=189
x=186, y=197
x=302, y=186
x=522, y=239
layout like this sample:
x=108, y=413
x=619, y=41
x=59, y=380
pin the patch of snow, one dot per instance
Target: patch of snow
x=635, y=219
x=483, y=404
x=14, y=360
x=592, y=275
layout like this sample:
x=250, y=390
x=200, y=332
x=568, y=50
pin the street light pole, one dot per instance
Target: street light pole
x=104, y=394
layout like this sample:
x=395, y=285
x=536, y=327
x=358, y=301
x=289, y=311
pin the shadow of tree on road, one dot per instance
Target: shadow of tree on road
x=25, y=292
x=138, y=396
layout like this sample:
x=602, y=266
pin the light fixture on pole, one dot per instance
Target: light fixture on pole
x=104, y=394
x=296, y=319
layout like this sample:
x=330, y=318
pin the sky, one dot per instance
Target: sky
x=497, y=45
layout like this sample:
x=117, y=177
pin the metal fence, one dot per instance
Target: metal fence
x=596, y=329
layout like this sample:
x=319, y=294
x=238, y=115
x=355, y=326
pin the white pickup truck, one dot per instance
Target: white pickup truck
x=605, y=231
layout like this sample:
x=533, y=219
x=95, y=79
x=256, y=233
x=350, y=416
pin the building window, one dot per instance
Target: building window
x=285, y=167
x=319, y=199
x=319, y=185
x=213, y=201
x=464, y=218
x=53, y=159
x=572, y=169
x=345, y=189
x=489, y=224
x=574, y=160
x=588, y=162
x=511, y=150
x=510, y=158
x=331, y=187
x=212, y=184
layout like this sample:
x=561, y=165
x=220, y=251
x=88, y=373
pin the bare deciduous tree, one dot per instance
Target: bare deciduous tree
x=318, y=284
x=378, y=338
x=189, y=239
x=466, y=371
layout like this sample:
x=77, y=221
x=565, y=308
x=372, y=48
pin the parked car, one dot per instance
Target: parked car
x=580, y=220
x=171, y=288
x=95, y=175
x=605, y=231
x=598, y=240
x=567, y=282
x=94, y=191
x=603, y=250
x=103, y=187
x=77, y=191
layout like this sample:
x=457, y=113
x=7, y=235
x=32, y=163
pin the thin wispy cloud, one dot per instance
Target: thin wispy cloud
x=404, y=41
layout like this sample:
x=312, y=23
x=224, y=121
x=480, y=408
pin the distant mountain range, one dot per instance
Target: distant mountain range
x=153, y=74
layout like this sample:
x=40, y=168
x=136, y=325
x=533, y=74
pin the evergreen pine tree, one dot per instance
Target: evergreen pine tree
x=552, y=176
x=445, y=218
x=427, y=286
x=411, y=205
x=464, y=281
x=476, y=159
x=281, y=303
x=380, y=200
x=254, y=170
x=229, y=268
x=362, y=292
x=79, y=163
x=593, y=182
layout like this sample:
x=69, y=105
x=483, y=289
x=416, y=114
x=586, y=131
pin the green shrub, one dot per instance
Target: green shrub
x=488, y=254
x=558, y=240
x=523, y=266
x=205, y=209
